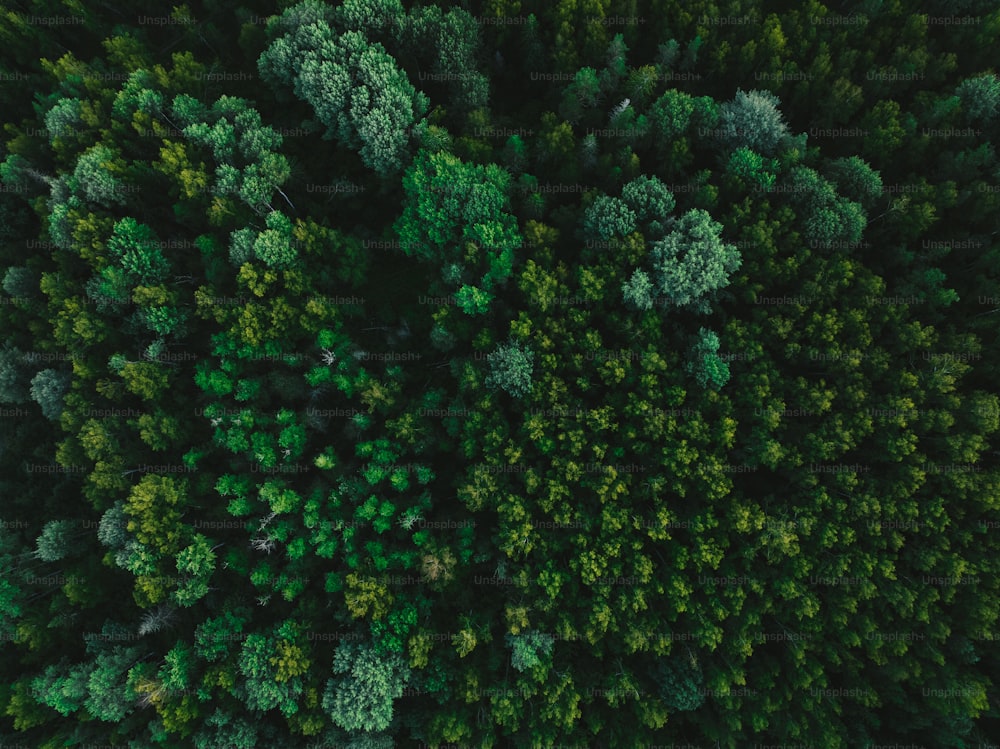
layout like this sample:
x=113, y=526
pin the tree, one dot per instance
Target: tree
x=356, y=89
x=96, y=177
x=828, y=217
x=145, y=379
x=637, y=292
x=109, y=696
x=453, y=38
x=274, y=246
x=370, y=16
x=473, y=300
x=842, y=221
x=680, y=682
x=609, y=217
x=225, y=729
x=856, y=180
x=583, y=93
x=980, y=97
x=753, y=168
x=58, y=540
x=139, y=94
x=361, y=699
x=48, y=388
x=138, y=252
x=62, y=119
x=528, y=649
x=196, y=563
x=648, y=198
x=20, y=283
x=704, y=362
x=752, y=119
x=61, y=687
x=215, y=636
x=511, y=365
x=692, y=259
x=259, y=664
x=616, y=66
x=671, y=115
x=455, y=215
x=18, y=174
x=154, y=506
x=13, y=378
x=112, y=530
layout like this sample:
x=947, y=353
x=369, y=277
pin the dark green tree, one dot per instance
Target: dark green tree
x=704, y=363
x=48, y=388
x=13, y=376
x=980, y=97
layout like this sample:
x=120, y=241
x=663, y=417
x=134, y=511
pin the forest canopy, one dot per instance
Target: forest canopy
x=499, y=374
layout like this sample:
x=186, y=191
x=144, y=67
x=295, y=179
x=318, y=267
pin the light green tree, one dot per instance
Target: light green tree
x=692, y=260
x=528, y=649
x=361, y=699
x=356, y=89
x=637, y=292
x=752, y=119
x=608, y=217
x=511, y=366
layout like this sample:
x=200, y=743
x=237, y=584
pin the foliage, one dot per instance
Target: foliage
x=48, y=388
x=637, y=292
x=13, y=379
x=511, y=366
x=692, y=260
x=609, y=217
x=455, y=215
x=517, y=358
x=56, y=540
x=649, y=198
x=980, y=97
x=680, y=682
x=752, y=120
x=704, y=362
x=361, y=699
x=528, y=649
x=356, y=89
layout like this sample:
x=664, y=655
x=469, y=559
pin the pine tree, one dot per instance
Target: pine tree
x=95, y=177
x=752, y=119
x=980, y=97
x=13, y=377
x=362, y=698
x=692, y=260
x=48, y=389
x=59, y=539
x=648, y=198
x=637, y=292
x=529, y=648
x=704, y=362
x=609, y=217
x=356, y=89
x=511, y=366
